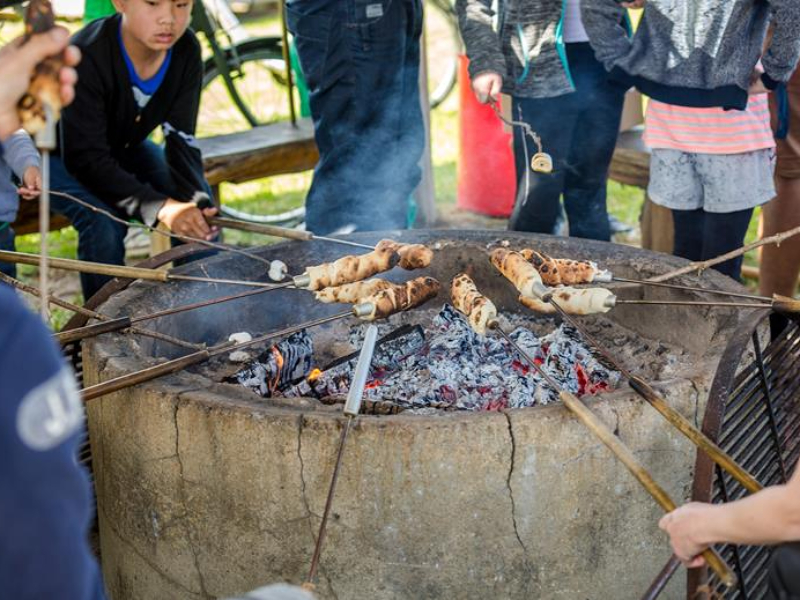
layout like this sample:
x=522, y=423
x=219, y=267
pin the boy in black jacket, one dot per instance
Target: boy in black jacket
x=141, y=68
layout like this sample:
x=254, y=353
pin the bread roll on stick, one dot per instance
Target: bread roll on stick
x=478, y=309
x=518, y=271
x=412, y=256
x=400, y=297
x=351, y=293
x=347, y=269
x=574, y=301
x=564, y=271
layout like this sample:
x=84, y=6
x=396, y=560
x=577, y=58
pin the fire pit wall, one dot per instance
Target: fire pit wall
x=205, y=490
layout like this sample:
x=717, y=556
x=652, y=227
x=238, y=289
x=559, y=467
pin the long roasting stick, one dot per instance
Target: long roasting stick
x=282, y=232
x=620, y=450
x=681, y=423
x=705, y=264
x=178, y=364
x=157, y=231
x=119, y=323
x=351, y=409
x=124, y=272
x=92, y=314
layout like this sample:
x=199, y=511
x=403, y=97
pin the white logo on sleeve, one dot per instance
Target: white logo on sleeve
x=50, y=413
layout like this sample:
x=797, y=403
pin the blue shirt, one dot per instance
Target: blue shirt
x=143, y=89
x=45, y=498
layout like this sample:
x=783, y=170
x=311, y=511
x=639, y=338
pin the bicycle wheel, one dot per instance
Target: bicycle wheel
x=443, y=42
x=256, y=68
x=256, y=71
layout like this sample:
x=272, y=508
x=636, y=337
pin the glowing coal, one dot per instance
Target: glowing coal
x=448, y=367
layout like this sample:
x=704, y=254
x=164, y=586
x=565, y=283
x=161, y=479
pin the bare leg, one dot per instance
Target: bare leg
x=780, y=265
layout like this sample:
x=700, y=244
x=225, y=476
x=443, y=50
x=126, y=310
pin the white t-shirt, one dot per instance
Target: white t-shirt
x=573, y=26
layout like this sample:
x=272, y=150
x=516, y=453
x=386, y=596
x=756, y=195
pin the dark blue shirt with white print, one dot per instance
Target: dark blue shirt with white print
x=45, y=498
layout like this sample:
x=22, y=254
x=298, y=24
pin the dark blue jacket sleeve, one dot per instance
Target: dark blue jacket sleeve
x=45, y=498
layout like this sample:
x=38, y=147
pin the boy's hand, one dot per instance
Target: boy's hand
x=31, y=184
x=487, y=87
x=17, y=62
x=184, y=218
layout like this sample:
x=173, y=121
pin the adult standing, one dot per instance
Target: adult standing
x=539, y=54
x=361, y=61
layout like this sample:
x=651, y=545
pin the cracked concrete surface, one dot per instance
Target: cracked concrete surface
x=524, y=504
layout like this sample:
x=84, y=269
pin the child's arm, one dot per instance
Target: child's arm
x=783, y=52
x=21, y=153
x=180, y=147
x=476, y=22
x=603, y=21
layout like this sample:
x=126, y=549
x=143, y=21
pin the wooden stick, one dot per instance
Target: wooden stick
x=273, y=230
x=93, y=314
x=622, y=452
x=676, y=419
x=157, y=231
x=705, y=264
x=123, y=272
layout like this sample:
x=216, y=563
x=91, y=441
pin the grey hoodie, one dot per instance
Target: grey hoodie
x=527, y=47
x=696, y=52
x=19, y=153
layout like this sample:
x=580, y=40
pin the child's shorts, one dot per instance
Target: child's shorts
x=717, y=183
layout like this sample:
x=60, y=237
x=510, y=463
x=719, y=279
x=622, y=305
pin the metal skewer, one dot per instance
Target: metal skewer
x=617, y=301
x=81, y=310
x=620, y=450
x=689, y=288
x=45, y=142
x=124, y=272
x=351, y=409
x=282, y=232
x=120, y=323
x=178, y=364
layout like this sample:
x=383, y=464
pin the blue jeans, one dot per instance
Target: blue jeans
x=361, y=61
x=101, y=239
x=7, y=243
x=579, y=130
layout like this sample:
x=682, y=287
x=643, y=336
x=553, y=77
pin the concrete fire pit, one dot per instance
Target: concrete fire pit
x=205, y=489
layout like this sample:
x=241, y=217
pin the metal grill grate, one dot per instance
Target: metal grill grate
x=754, y=413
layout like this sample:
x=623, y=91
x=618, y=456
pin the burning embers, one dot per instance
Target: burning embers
x=448, y=367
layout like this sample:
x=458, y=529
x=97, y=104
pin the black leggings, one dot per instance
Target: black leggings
x=700, y=235
x=784, y=574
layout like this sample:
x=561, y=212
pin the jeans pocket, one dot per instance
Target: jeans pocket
x=370, y=12
x=311, y=37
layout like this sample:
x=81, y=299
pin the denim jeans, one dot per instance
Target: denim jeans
x=361, y=61
x=579, y=130
x=700, y=235
x=7, y=243
x=101, y=239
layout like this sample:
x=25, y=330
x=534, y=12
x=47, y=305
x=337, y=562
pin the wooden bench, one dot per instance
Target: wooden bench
x=263, y=151
x=259, y=152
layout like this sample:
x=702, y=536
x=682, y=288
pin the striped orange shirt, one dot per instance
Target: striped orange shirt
x=709, y=130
